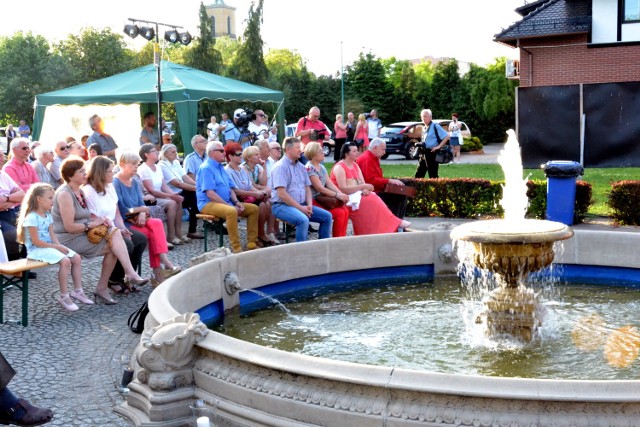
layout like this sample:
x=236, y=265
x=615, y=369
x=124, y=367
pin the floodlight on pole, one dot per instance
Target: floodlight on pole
x=185, y=38
x=148, y=33
x=171, y=36
x=151, y=32
x=131, y=30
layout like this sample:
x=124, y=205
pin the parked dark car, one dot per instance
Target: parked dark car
x=402, y=137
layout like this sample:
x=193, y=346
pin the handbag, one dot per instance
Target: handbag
x=137, y=318
x=247, y=199
x=99, y=232
x=329, y=202
x=444, y=155
x=359, y=142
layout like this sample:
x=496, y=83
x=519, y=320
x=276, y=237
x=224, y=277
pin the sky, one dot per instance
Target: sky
x=326, y=34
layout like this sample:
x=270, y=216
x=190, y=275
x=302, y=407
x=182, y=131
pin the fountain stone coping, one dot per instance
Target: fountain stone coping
x=503, y=231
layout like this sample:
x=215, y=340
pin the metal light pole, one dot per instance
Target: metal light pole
x=156, y=57
x=342, y=81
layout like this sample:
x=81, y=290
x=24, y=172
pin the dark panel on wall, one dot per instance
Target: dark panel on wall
x=549, y=124
x=612, y=127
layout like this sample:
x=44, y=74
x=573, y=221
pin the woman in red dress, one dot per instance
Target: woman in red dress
x=370, y=215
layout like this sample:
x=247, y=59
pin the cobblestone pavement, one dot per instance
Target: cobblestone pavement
x=70, y=362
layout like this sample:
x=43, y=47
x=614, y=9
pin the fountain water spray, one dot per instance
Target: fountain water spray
x=511, y=248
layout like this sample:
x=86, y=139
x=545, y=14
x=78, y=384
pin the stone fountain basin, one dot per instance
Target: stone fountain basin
x=502, y=231
x=262, y=386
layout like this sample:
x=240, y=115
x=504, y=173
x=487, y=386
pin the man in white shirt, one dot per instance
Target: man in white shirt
x=374, y=125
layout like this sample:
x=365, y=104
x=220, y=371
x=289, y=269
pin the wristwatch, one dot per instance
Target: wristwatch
x=86, y=225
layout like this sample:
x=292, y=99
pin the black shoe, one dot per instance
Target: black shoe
x=312, y=230
x=32, y=275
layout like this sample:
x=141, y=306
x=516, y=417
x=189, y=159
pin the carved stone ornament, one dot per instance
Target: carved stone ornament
x=166, y=352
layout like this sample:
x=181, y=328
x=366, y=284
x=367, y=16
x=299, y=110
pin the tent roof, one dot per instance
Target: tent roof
x=179, y=83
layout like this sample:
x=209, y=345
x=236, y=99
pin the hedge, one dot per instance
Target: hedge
x=480, y=198
x=624, y=201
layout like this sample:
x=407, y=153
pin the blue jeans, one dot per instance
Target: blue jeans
x=293, y=216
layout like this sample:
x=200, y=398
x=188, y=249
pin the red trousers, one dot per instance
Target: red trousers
x=154, y=230
x=340, y=219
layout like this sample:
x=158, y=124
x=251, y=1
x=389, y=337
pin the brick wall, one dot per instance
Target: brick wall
x=567, y=60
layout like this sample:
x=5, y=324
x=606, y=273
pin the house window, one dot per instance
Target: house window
x=631, y=10
x=229, y=23
x=213, y=26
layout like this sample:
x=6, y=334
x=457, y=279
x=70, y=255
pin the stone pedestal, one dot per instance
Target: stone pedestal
x=163, y=387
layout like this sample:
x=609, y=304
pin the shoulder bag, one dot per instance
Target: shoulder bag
x=445, y=154
x=328, y=202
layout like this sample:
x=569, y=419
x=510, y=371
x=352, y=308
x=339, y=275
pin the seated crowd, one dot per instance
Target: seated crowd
x=56, y=207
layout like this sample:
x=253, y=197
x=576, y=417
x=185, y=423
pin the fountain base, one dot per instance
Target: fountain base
x=512, y=311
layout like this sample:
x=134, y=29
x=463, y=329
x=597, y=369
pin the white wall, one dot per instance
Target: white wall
x=604, y=25
x=122, y=122
x=604, y=28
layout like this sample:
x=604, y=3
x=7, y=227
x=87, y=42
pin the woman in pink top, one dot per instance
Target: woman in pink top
x=371, y=216
x=340, y=129
x=361, y=137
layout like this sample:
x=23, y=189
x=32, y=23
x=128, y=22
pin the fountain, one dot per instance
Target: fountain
x=178, y=362
x=512, y=248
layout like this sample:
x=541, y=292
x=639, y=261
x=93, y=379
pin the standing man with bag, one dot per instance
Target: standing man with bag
x=433, y=138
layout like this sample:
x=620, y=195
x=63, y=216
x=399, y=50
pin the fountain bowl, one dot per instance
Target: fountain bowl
x=251, y=385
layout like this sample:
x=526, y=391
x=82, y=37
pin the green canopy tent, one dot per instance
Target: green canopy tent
x=181, y=85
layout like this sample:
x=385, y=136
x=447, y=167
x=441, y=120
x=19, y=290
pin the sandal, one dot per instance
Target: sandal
x=264, y=242
x=33, y=415
x=118, y=288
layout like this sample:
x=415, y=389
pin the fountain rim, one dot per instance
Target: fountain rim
x=385, y=376
x=500, y=231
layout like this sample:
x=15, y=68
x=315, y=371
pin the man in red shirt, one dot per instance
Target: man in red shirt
x=310, y=128
x=369, y=163
x=18, y=167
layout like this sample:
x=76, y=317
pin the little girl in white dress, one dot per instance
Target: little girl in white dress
x=35, y=231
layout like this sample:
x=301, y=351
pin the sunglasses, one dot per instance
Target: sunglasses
x=237, y=154
x=261, y=115
x=66, y=147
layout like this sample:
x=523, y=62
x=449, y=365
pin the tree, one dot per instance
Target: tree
x=203, y=54
x=366, y=81
x=228, y=49
x=248, y=65
x=491, y=98
x=27, y=68
x=445, y=88
x=95, y=54
x=403, y=79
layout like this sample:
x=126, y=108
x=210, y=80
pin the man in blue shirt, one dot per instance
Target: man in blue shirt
x=291, y=194
x=432, y=143
x=215, y=195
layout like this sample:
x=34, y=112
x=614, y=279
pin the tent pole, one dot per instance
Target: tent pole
x=156, y=60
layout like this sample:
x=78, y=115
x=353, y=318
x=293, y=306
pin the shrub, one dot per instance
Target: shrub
x=624, y=201
x=471, y=144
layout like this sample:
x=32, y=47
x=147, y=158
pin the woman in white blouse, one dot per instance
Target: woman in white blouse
x=102, y=202
x=181, y=183
x=153, y=181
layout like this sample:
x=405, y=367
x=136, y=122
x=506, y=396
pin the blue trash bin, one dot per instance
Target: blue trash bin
x=561, y=189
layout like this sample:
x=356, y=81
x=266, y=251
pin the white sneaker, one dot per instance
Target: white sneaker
x=273, y=239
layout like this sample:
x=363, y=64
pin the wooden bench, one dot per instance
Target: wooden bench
x=16, y=273
x=215, y=225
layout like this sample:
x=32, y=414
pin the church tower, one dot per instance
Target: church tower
x=223, y=19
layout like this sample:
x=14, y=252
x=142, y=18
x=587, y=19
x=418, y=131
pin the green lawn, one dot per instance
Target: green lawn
x=599, y=178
